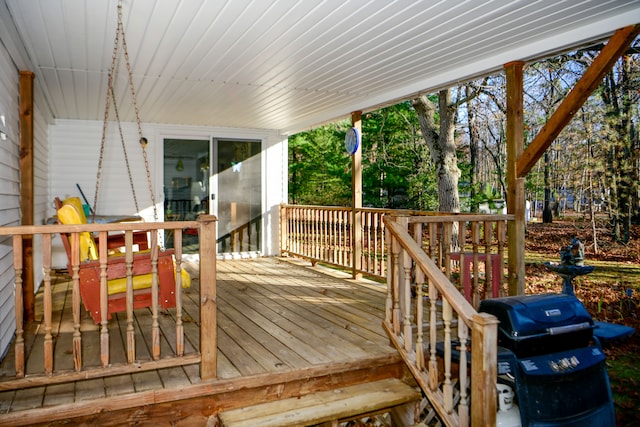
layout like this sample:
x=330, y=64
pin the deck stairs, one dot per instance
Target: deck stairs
x=331, y=407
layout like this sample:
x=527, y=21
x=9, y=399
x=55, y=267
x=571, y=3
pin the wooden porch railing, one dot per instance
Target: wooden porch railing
x=206, y=356
x=428, y=319
x=474, y=262
x=323, y=234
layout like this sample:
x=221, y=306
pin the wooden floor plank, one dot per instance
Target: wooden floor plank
x=240, y=359
x=258, y=310
x=304, y=349
x=298, y=321
x=285, y=356
x=345, y=316
x=262, y=347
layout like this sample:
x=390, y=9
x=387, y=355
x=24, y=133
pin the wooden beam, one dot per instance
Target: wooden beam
x=356, y=191
x=602, y=64
x=515, y=185
x=26, y=187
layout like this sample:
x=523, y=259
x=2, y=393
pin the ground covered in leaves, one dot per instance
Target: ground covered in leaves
x=611, y=293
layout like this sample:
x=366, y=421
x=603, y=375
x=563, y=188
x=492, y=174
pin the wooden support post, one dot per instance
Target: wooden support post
x=515, y=185
x=356, y=191
x=484, y=359
x=208, y=298
x=26, y=188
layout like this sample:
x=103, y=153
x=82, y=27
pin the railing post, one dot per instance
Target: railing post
x=356, y=204
x=284, y=247
x=484, y=358
x=208, y=298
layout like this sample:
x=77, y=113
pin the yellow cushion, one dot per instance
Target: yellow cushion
x=75, y=201
x=143, y=281
x=68, y=214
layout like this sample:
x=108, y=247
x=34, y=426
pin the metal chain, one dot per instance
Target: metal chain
x=142, y=140
x=105, y=123
x=124, y=149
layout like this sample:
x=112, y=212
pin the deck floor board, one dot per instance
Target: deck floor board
x=274, y=316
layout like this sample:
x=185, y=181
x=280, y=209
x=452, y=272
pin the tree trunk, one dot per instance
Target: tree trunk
x=474, y=139
x=442, y=147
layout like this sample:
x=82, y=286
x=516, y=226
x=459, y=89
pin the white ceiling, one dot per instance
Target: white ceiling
x=288, y=64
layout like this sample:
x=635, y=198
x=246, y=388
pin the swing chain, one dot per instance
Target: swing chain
x=110, y=94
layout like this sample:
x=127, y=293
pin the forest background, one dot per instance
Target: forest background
x=587, y=185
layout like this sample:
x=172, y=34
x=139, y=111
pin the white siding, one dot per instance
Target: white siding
x=9, y=192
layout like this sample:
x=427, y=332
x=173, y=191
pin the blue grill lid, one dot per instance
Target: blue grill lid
x=535, y=315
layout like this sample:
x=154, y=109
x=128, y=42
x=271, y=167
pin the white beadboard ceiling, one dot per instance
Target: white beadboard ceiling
x=288, y=64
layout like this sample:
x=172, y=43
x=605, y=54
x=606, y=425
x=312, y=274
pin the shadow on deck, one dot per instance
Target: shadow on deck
x=284, y=330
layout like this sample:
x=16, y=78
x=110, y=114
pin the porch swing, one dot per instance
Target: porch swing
x=70, y=211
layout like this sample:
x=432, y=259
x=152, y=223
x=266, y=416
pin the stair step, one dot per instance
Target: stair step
x=339, y=404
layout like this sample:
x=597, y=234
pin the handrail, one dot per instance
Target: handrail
x=429, y=354
x=205, y=355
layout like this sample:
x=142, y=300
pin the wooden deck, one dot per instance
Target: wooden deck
x=285, y=329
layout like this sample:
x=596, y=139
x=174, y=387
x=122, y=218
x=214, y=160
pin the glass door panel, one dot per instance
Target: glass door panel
x=186, y=185
x=236, y=184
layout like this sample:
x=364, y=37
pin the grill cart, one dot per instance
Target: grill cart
x=550, y=359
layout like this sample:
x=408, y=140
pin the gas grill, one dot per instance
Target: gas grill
x=549, y=357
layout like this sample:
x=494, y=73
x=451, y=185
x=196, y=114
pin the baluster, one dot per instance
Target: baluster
x=388, y=312
x=155, y=326
x=308, y=232
x=17, y=266
x=294, y=231
x=406, y=293
x=340, y=241
x=433, y=243
x=48, y=306
x=376, y=241
x=501, y=230
x=131, y=340
x=447, y=388
x=344, y=236
x=314, y=233
x=104, y=303
x=475, y=235
x=324, y=235
x=433, y=337
x=488, y=280
x=462, y=262
x=446, y=246
x=366, y=241
x=463, y=407
x=419, y=322
x=75, y=300
x=178, y=294
x=395, y=278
